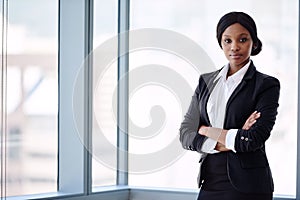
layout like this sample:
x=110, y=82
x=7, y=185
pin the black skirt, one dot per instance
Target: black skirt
x=217, y=186
x=231, y=195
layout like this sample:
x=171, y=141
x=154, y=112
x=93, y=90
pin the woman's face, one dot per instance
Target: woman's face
x=237, y=45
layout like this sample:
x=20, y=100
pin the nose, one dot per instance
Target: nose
x=234, y=46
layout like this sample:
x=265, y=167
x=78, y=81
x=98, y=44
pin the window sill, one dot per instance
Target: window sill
x=128, y=192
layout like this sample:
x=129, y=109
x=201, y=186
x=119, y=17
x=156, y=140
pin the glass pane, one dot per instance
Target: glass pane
x=197, y=20
x=32, y=87
x=105, y=71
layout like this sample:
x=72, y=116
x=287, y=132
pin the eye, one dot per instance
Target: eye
x=227, y=41
x=243, y=40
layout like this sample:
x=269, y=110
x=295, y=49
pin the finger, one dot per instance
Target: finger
x=255, y=112
x=248, y=125
x=253, y=115
x=251, y=123
x=202, y=130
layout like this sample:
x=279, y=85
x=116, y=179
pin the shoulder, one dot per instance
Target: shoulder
x=261, y=79
x=266, y=79
x=205, y=82
x=207, y=77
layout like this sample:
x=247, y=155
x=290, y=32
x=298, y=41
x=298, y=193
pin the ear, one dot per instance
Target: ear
x=254, y=46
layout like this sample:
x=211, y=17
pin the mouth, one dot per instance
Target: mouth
x=235, y=56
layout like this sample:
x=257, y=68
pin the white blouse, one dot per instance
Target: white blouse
x=216, y=106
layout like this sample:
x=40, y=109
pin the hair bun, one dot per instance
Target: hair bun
x=257, y=49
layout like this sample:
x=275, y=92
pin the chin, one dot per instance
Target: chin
x=239, y=63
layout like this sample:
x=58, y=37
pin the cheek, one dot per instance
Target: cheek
x=225, y=47
x=249, y=49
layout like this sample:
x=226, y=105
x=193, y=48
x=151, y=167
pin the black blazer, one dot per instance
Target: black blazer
x=248, y=168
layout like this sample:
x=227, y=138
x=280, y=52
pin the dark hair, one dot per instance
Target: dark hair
x=246, y=21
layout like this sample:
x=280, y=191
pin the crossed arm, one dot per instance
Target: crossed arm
x=219, y=135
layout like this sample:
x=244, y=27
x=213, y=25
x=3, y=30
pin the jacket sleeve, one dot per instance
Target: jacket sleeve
x=267, y=104
x=189, y=137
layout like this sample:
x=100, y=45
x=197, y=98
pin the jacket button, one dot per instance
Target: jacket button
x=242, y=138
x=246, y=139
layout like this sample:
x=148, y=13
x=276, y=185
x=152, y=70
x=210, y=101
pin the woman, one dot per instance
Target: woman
x=231, y=115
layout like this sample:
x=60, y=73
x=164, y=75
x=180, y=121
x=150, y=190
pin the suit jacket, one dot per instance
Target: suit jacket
x=248, y=169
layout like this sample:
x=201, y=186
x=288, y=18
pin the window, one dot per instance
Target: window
x=83, y=157
x=32, y=95
x=105, y=85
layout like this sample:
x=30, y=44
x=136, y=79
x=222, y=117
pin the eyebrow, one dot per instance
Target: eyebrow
x=239, y=35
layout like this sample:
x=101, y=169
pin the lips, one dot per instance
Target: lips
x=236, y=56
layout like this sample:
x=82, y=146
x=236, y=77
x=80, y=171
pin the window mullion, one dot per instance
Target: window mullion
x=72, y=115
x=298, y=116
x=123, y=58
x=88, y=74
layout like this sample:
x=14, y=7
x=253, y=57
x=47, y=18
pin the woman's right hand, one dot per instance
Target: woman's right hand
x=251, y=120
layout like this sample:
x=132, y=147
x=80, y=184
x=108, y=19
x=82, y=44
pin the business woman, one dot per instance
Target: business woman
x=231, y=115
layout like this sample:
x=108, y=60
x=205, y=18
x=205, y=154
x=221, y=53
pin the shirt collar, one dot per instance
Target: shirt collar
x=236, y=77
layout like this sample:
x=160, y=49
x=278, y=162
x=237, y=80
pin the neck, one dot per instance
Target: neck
x=234, y=68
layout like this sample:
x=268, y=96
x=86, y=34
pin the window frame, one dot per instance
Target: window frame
x=74, y=172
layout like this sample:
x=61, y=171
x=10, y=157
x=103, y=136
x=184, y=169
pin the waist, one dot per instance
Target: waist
x=215, y=174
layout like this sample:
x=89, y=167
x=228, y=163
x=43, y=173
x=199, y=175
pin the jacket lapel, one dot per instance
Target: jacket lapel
x=210, y=83
x=248, y=76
